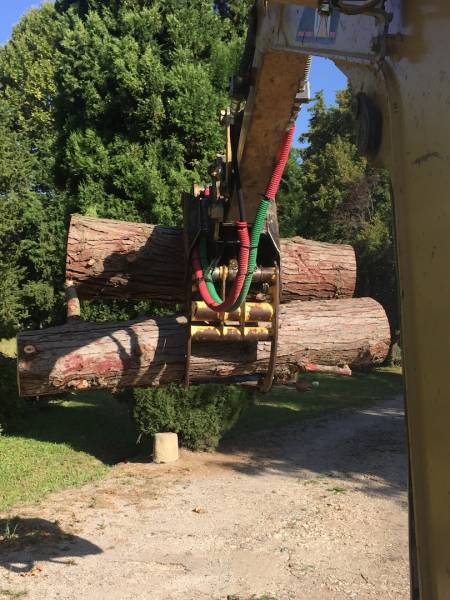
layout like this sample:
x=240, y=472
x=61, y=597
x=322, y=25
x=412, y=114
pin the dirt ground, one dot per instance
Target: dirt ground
x=314, y=512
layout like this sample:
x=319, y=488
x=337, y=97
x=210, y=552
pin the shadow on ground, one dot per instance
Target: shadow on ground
x=95, y=423
x=27, y=542
x=367, y=447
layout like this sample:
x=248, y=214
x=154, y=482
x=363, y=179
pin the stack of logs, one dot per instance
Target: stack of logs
x=322, y=328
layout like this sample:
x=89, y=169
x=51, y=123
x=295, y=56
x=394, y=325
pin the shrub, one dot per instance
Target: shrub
x=11, y=405
x=200, y=414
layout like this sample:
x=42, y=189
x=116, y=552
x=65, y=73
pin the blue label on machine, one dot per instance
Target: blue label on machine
x=316, y=27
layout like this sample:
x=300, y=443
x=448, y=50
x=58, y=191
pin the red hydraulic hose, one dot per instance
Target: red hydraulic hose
x=282, y=159
x=244, y=240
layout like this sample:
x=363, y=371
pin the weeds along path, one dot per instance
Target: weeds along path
x=314, y=512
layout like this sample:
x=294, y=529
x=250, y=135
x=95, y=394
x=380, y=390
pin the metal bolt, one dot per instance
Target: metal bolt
x=325, y=8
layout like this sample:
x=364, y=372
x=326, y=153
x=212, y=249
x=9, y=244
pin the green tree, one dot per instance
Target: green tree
x=141, y=87
x=28, y=90
x=334, y=195
x=237, y=11
x=32, y=211
x=291, y=197
x=109, y=109
x=31, y=236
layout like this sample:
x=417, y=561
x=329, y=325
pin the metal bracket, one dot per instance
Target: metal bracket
x=266, y=383
x=191, y=230
x=187, y=369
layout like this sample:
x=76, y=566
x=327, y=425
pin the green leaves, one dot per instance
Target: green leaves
x=31, y=261
x=139, y=104
x=108, y=109
x=199, y=414
x=27, y=71
x=330, y=193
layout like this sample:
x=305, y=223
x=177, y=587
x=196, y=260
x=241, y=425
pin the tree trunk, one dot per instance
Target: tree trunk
x=146, y=352
x=118, y=259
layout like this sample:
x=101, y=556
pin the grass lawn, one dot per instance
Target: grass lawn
x=284, y=405
x=64, y=443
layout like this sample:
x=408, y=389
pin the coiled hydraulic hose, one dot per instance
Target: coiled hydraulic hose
x=247, y=260
x=261, y=213
x=282, y=159
x=260, y=218
x=205, y=284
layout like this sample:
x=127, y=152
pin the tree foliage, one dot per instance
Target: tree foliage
x=141, y=87
x=31, y=208
x=108, y=109
x=330, y=193
x=200, y=414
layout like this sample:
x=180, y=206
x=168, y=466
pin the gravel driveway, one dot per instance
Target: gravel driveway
x=314, y=512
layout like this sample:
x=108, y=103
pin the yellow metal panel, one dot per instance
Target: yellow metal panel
x=412, y=88
x=248, y=311
x=418, y=83
x=229, y=334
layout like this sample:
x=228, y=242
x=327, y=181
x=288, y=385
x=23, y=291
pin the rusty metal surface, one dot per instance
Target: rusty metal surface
x=209, y=333
x=249, y=311
x=267, y=382
x=188, y=303
x=187, y=240
x=260, y=275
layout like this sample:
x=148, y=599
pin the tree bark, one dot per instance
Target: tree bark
x=118, y=259
x=353, y=332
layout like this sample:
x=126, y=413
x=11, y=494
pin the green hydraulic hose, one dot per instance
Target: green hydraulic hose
x=258, y=225
x=207, y=272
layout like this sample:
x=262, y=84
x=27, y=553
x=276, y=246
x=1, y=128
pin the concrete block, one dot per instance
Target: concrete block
x=165, y=447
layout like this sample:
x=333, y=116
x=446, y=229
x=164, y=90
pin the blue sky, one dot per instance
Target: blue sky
x=324, y=75
x=10, y=13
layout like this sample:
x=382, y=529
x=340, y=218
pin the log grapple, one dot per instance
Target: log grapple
x=233, y=267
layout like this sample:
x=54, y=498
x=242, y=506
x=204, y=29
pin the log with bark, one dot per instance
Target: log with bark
x=118, y=259
x=353, y=332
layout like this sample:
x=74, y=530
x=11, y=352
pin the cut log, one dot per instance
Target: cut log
x=118, y=259
x=341, y=370
x=145, y=352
